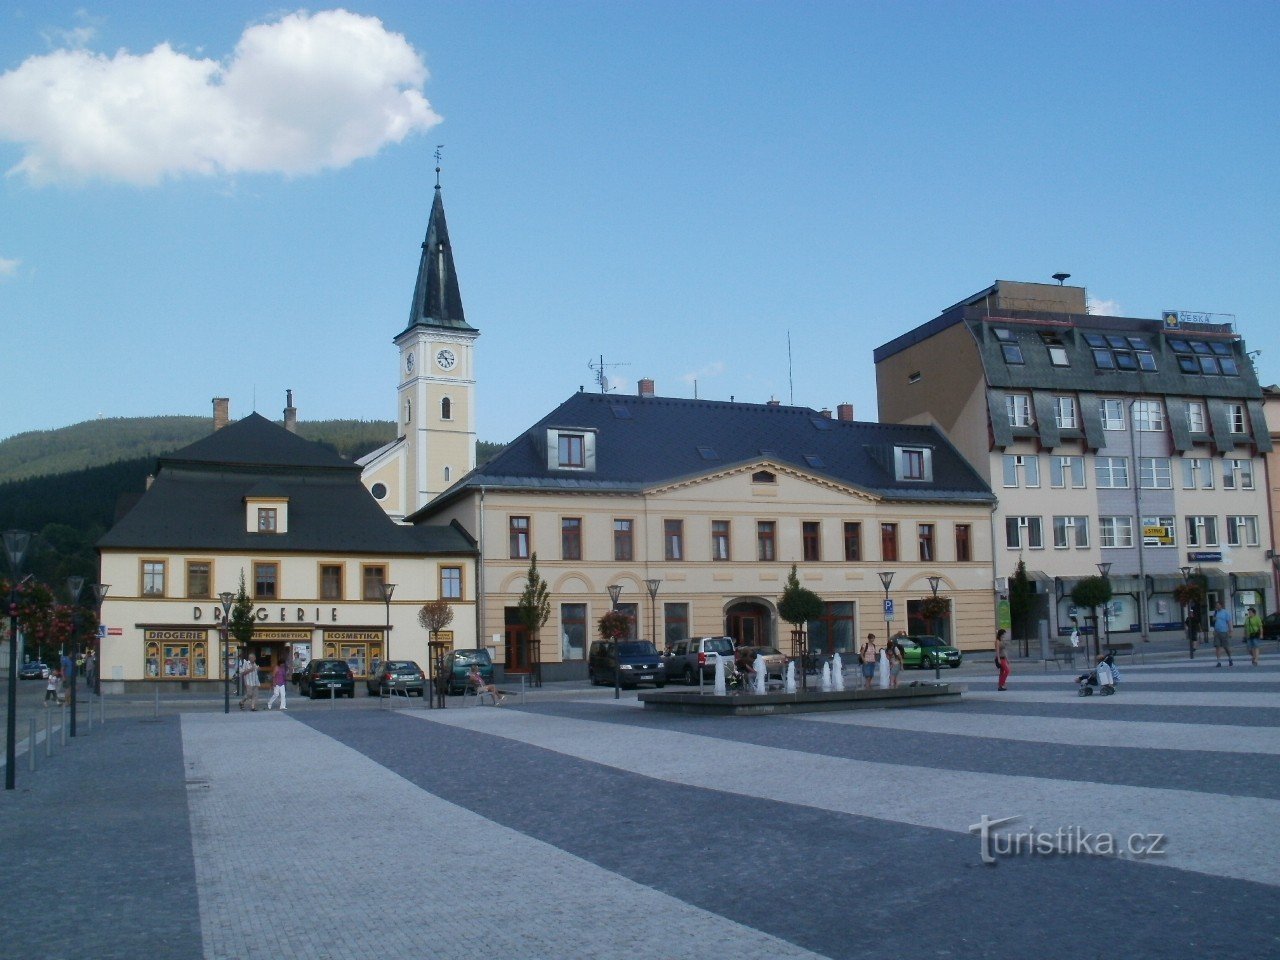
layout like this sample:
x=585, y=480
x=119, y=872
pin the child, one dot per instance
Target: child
x=51, y=687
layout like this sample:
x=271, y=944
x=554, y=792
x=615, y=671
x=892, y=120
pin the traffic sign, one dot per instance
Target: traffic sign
x=888, y=608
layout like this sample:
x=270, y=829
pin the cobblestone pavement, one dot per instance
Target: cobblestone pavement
x=576, y=826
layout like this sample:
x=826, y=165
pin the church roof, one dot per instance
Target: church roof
x=642, y=442
x=437, y=300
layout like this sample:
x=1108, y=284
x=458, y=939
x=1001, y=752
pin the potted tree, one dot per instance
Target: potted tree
x=533, y=609
x=798, y=605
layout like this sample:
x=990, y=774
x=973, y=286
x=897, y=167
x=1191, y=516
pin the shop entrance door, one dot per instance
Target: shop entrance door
x=517, y=642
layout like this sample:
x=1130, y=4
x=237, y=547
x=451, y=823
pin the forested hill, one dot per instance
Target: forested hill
x=96, y=443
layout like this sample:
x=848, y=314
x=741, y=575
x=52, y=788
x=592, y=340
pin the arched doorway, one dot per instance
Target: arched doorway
x=749, y=622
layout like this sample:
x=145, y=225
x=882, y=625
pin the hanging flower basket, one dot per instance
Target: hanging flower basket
x=614, y=626
x=1187, y=593
x=935, y=608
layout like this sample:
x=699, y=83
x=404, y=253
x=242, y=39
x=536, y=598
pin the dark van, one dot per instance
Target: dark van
x=628, y=663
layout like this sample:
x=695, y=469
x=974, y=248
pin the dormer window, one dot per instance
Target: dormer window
x=266, y=514
x=267, y=517
x=913, y=463
x=571, y=449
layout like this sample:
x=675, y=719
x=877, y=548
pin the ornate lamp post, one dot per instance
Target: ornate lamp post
x=15, y=549
x=99, y=595
x=1104, y=571
x=227, y=599
x=653, y=586
x=615, y=591
x=387, y=590
x=886, y=578
x=75, y=585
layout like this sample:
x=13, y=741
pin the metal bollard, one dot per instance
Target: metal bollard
x=62, y=727
x=31, y=744
x=48, y=733
x=333, y=700
x=157, y=701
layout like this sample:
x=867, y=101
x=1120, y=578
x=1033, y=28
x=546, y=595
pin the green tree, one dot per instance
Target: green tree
x=242, y=616
x=798, y=605
x=533, y=609
x=1092, y=592
x=1022, y=601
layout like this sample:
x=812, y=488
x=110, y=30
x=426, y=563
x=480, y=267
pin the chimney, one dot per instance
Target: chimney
x=826, y=412
x=844, y=412
x=221, y=412
x=646, y=387
x=290, y=413
x=773, y=402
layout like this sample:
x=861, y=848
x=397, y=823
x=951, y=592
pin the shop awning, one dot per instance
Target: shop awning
x=1250, y=581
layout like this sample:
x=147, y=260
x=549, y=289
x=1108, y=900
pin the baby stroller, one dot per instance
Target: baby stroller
x=1104, y=676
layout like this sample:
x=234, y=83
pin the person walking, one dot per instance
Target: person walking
x=248, y=672
x=1222, y=635
x=1193, y=626
x=894, y=651
x=1002, y=660
x=868, y=656
x=51, y=688
x=279, y=679
x=1253, y=634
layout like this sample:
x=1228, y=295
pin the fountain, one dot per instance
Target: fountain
x=762, y=674
x=789, y=685
x=719, y=690
x=882, y=675
x=826, y=678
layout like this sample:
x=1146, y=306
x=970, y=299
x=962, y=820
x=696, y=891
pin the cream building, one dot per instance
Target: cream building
x=714, y=502
x=314, y=548
x=1109, y=440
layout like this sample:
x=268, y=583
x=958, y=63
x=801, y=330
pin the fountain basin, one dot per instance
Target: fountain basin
x=812, y=701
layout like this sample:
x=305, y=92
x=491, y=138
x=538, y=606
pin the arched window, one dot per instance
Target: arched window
x=446, y=409
x=408, y=411
x=448, y=472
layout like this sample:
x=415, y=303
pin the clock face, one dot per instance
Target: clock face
x=446, y=359
x=408, y=361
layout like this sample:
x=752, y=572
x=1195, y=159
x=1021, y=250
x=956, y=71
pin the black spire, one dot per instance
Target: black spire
x=437, y=301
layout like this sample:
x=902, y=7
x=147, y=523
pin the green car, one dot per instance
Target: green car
x=928, y=652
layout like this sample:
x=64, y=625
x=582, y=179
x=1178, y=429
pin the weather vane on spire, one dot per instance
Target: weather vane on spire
x=438, y=155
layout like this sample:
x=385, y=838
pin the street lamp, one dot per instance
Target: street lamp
x=75, y=585
x=886, y=579
x=99, y=595
x=15, y=549
x=227, y=599
x=615, y=591
x=1104, y=570
x=387, y=590
x=653, y=586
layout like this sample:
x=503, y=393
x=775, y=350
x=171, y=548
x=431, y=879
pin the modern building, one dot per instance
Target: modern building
x=330, y=574
x=712, y=503
x=1130, y=446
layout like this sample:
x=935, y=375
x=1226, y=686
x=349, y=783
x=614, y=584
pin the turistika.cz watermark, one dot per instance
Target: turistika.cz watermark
x=1065, y=841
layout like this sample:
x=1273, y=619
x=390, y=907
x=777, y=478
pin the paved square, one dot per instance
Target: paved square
x=576, y=826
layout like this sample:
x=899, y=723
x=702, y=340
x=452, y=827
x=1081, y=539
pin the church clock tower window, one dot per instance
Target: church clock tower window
x=446, y=409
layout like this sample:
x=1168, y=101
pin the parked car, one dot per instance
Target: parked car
x=401, y=674
x=33, y=670
x=457, y=664
x=1271, y=626
x=685, y=657
x=628, y=663
x=323, y=675
x=775, y=661
x=926, y=651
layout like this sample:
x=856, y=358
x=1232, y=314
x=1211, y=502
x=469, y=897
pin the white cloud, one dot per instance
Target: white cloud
x=713, y=369
x=1105, y=308
x=301, y=94
x=8, y=268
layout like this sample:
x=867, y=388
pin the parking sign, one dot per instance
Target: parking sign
x=888, y=608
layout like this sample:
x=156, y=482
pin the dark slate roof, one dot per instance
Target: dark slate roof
x=437, y=300
x=197, y=502
x=257, y=442
x=642, y=442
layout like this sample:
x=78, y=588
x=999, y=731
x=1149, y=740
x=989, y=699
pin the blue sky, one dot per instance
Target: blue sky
x=674, y=186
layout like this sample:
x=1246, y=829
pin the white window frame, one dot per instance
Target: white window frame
x=1034, y=537
x=1155, y=473
x=1062, y=466
x=1115, y=533
x=1107, y=470
x=1064, y=412
x=1148, y=416
x=1197, y=467
x=1202, y=530
x=1112, y=414
x=1023, y=469
x=1079, y=533
x=1195, y=417
x=1233, y=470
x=1238, y=423
x=1238, y=524
x=1017, y=407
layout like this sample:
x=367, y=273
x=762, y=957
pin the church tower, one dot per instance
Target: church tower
x=436, y=394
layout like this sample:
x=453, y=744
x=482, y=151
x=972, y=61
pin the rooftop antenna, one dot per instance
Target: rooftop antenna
x=598, y=369
x=790, y=383
x=1061, y=276
x=438, y=155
